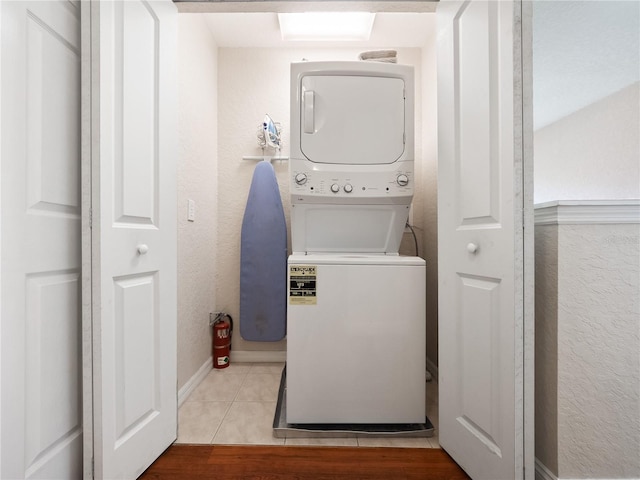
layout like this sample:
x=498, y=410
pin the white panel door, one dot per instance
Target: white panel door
x=40, y=169
x=134, y=234
x=481, y=243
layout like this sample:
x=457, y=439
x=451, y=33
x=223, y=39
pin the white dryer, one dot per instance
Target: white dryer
x=356, y=309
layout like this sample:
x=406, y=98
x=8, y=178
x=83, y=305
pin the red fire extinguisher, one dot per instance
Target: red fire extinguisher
x=222, y=325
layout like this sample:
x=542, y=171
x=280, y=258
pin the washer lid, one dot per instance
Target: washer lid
x=352, y=259
x=351, y=119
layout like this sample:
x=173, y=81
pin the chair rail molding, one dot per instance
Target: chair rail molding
x=587, y=212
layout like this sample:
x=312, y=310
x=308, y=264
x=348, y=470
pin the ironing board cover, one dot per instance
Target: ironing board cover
x=263, y=260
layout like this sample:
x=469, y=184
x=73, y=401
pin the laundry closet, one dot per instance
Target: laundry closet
x=142, y=213
x=243, y=97
x=230, y=63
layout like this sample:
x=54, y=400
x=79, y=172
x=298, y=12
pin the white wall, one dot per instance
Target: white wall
x=252, y=82
x=197, y=180
x=593, y=153
x=430, y=189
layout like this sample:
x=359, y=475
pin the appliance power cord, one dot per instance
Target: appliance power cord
x=415, y=239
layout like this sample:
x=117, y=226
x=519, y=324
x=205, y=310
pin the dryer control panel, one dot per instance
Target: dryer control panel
x=323, y=183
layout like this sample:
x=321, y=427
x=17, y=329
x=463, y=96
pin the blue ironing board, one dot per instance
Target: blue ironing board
x=263, y=260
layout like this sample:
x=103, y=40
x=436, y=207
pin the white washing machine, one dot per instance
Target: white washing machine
x=356, y=339
x=356, y=309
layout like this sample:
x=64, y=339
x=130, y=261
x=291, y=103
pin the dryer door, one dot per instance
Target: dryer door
x=348, y=119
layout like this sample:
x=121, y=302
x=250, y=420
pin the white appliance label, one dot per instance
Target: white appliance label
x=302, y=285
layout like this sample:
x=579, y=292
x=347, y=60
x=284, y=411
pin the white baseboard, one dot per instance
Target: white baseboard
x=433, y=369
x=543, y=473
x=256, y=356
x=194, y=381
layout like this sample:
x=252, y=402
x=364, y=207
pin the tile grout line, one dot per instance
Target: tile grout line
x=226, y=412
x=231, y=402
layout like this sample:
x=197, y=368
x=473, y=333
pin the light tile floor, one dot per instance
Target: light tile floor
x=236, y=405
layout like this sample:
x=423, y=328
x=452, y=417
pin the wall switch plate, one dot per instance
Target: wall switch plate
x=191, y=210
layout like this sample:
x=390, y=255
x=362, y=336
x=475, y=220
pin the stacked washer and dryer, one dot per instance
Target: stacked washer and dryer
x=356, y=309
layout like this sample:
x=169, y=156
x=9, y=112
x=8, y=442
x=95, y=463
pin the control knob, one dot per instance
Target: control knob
x=348, y=188
x=335, y=188
x=301, y=178
x=402, y=180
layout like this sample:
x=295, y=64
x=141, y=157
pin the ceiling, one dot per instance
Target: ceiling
x=209, y=6
x=260, y=29
x=583, y=50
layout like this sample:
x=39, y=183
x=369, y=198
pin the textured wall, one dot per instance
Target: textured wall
x=593, y=153
x=546, y=346
x=599, y=351
x=197, y=180
x=587, y=350
x=252, y=82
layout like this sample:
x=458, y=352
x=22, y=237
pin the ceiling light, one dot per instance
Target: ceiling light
x=326, y=26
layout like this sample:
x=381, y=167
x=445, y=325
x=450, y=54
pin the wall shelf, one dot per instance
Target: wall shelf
x=268, y=158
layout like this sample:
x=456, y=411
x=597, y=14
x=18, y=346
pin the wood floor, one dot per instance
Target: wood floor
x=221, y=462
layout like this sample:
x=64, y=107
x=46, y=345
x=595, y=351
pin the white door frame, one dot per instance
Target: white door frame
x=0, y=251
x=526, y=57
x=86, y=179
